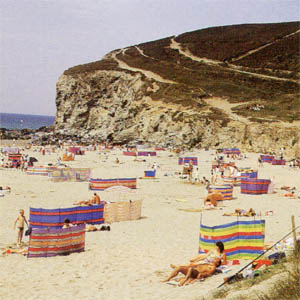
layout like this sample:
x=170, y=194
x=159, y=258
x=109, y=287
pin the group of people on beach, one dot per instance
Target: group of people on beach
x=21, y=219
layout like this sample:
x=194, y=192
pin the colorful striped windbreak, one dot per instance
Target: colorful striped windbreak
x=254, y=186
x=15, y=157
x=49, y=242
x=129, y=153
x=42, y=170
x=242, y=239
x=232, y=151
x=70, y=174
x=54, y=218
x=102, y=184
x=146, y=153
x=186, y=160
x=226, y=190
x=278, y=162
x=266, y=158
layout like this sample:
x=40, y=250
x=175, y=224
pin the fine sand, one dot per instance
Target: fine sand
x=130, y=261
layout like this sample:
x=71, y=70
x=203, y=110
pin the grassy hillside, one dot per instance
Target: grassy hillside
x=275, y=54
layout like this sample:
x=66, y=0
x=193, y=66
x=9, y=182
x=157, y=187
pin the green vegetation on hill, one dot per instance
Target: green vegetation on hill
x=227, y=42
x=197, y=79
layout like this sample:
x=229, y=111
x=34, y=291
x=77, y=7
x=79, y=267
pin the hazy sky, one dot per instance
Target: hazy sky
x=41, y=38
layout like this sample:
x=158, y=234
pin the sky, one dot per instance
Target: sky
x=39, y=39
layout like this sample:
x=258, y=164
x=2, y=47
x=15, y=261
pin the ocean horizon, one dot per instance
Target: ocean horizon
x=24, y=121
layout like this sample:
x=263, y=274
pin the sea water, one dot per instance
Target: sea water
x=20, y=121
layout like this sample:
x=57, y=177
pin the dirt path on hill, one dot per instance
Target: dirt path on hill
x=224, y=105
x=177, y=46
x=263, y=46
x=142, y=52
x=148, y=74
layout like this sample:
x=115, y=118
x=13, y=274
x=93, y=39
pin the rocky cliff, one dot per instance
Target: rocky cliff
x=168, y=92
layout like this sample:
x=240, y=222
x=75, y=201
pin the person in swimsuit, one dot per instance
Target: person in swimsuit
x=21, y=219
x=210, y=256
x=67, y=223
x=195, y=272
x=96, y=200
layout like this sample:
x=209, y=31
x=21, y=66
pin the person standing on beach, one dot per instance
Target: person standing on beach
x=21, y=219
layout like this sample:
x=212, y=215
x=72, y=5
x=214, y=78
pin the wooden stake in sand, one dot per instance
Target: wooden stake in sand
x=294, y=231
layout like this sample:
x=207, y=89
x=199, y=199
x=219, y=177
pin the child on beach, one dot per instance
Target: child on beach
x=21, y=219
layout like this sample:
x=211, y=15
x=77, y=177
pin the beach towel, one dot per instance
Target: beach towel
x=242, y=239
x=50, y=242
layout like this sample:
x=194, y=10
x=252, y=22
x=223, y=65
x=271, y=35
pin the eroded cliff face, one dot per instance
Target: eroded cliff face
x=111, y=105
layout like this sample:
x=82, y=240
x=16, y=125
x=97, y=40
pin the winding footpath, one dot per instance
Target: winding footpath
x=148, y=74
x=177, y=46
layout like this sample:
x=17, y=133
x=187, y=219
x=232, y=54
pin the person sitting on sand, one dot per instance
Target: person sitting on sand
x=67, y=223
x=96, y=200
x=210, y=256
x=117, y=161
x=194, y=272
x=21, y=219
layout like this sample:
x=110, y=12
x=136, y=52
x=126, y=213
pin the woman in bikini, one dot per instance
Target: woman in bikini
x=210, y=256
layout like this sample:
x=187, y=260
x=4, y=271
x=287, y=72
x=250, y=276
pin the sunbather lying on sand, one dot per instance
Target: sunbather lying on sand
x=287, y=188
x=195, y=272
x=94, y=228
x=96, y=200
x=211, y=199
x=291, y=195
x=16, y=251
x=242, y=213
x=5, y=188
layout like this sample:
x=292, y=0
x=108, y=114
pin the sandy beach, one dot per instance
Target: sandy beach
x=130, y=261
